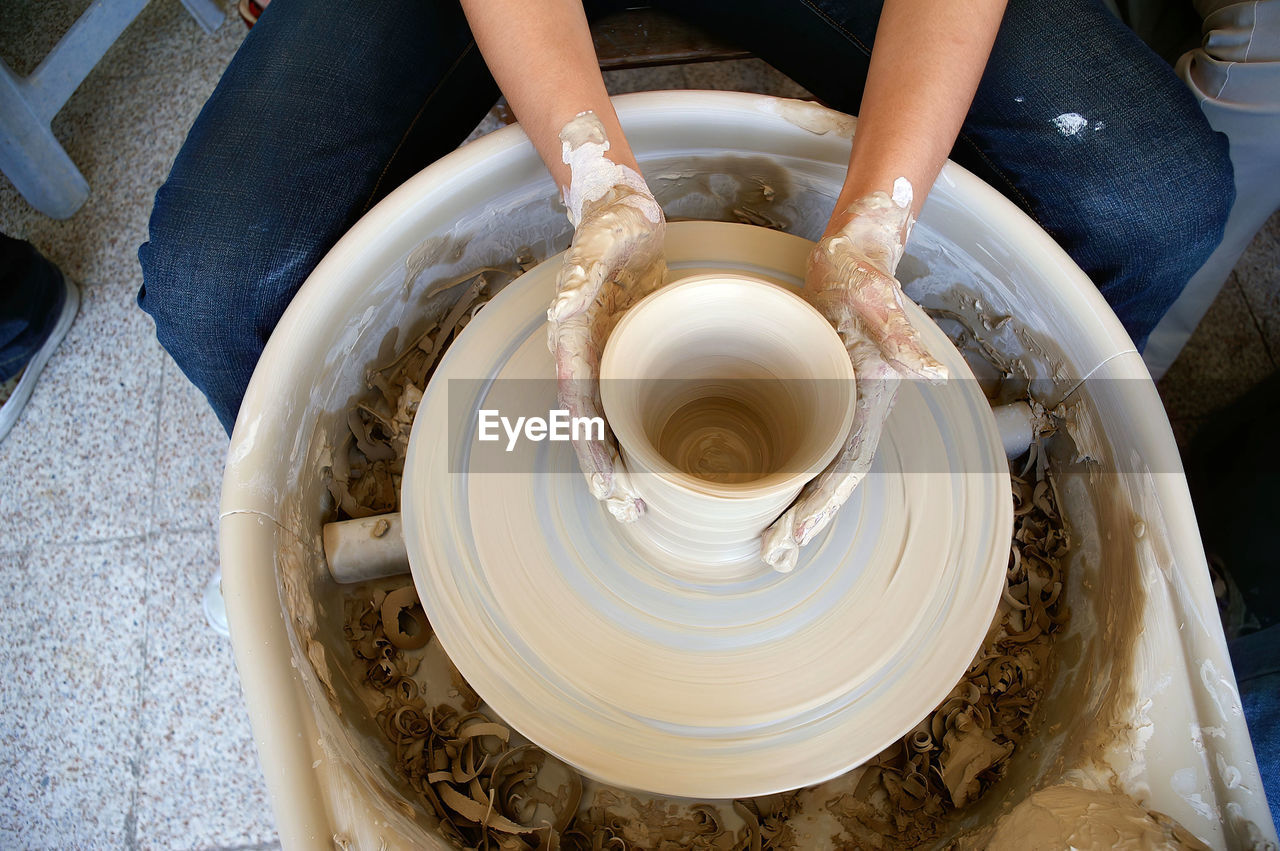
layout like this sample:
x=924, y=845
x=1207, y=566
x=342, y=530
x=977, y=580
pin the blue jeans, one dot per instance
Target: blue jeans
x=31, y=298
x=1256, y=659
x=331, y=104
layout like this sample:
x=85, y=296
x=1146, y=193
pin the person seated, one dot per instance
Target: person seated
x=328, y=106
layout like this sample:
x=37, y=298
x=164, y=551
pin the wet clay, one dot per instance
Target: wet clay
x=722, y=415
x=903, y=797
x=364, y=471
x=670, y=668
x=1070, y=817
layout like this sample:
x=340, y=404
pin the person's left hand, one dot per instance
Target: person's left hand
x=850, y=281
x=614, y=261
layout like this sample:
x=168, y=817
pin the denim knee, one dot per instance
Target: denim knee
x=213, y=287
x=1158, y=227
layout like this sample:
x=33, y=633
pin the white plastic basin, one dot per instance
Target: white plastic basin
x=1144, y=697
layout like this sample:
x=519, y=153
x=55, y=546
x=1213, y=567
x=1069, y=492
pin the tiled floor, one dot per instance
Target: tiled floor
x=1236, y=345
x=121, y=722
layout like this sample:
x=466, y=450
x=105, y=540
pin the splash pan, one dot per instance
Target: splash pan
x=1142, y=698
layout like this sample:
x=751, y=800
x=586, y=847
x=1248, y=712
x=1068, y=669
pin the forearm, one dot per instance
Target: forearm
x=925, y=67
x=543, y=60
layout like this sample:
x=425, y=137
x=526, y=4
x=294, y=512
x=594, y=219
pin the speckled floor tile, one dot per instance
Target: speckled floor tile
x=73, y=624
x=165, y=36
x=1259, y=275
x=191, y=451
x=80, y=461
x=123, y=133
x=644, y=79
x=1224, y=358
x=200, y=784
x=30, y=28
x=123, y=127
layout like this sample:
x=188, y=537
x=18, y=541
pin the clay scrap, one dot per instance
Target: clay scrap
x=364, y=470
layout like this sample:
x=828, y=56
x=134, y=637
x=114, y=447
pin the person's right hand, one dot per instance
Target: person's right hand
x=614, y=261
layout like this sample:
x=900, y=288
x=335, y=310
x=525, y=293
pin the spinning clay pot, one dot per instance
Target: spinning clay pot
x=726, y=395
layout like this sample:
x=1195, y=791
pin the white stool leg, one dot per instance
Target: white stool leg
x=29, y=153
x=208, y=14
x=32, y=157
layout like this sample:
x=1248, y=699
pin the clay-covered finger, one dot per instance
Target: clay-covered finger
x=856, y=295
x=779, y=547
x=883, y=322
x=616, y=247
x=821, y=498
x=578, y=392
x=908, y=354
x=578, y=286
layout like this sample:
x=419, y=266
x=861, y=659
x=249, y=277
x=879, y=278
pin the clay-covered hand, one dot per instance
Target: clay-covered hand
x=614, y=261
x=850, y=281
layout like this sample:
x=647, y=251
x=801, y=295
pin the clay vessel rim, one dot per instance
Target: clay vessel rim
x=769, y=484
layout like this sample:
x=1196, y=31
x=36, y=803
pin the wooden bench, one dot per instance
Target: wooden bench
x=645, y=38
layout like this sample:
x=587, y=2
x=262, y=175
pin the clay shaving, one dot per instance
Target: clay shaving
x=906, y=795
x=486, y=789
x=364, y=471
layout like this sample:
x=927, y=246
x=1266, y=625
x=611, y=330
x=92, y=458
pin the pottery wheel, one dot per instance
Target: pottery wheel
x=645, y=678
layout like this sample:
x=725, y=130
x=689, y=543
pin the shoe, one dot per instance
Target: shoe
x=11, y=408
